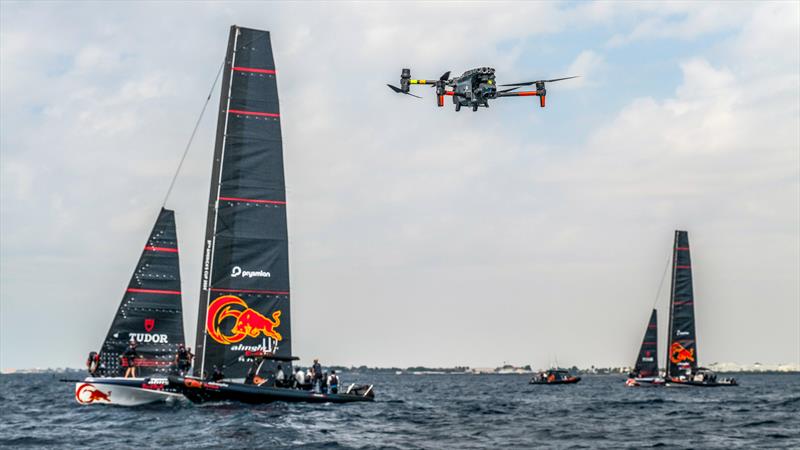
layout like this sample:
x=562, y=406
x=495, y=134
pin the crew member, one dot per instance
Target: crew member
x=333, y=382
x=324, y=383
x=182, y=360
x=129, y=358
x=280, y=377
x=93, y=363
x=317, y=372
x=299, y=379
x=217, y=374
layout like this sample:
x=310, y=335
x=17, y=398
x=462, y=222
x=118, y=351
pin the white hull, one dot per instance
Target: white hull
x=122, y=391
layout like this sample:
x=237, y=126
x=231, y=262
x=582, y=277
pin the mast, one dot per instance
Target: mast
x=682, y=341
x=647, y=360
x=244, y=292
x=150, y=311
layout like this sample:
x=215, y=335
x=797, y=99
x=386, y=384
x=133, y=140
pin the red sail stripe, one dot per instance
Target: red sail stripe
x=250, y=291
x=683, y=267
x=153, y=291
x=253, y=113
x=649, y=343
x=683, y=303
x=252, y=200
x=151, y=248
x=682, y=248
x=251, y=69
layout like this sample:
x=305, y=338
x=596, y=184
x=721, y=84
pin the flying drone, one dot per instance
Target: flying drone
x=473, y=88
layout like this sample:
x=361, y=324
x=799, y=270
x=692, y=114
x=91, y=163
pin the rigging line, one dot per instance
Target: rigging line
x=194, y=132
x=663, y=277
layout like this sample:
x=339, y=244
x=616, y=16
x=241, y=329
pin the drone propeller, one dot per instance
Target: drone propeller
x=400, y=91
x=537, y=82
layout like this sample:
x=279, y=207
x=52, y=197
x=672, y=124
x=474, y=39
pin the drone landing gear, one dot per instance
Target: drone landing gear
x=458, y=106
x=474, y=108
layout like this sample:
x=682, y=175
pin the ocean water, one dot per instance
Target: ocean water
x=422, y=411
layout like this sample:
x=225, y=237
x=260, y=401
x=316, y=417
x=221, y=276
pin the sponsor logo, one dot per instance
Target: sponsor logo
x=678, y=353
x=149, y=324
x=87, y=393
x=248, y=322
x=647, y=359
x=237, y=271
x=143, y=338
x=681, y=333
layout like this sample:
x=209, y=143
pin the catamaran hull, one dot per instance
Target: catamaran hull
x=199, y=391
x=123, y=391
x=644, y=382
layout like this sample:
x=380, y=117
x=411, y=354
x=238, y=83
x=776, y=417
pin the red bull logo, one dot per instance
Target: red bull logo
x=678, y=353
x=87, y=393
x=249, y=322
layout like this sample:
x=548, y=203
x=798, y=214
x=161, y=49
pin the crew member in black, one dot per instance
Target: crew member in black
x=217, y=374
x=129, y=358
x=93, y=363
x=183, y=360
x=324, y=382
x=317, y=370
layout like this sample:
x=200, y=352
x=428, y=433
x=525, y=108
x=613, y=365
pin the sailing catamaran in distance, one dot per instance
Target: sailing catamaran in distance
x=682, y=367
x=645, y=371
x=244, y=329
x=149, y=314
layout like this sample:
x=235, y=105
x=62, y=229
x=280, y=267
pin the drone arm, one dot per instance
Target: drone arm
x=422, y=81
x=541, y=94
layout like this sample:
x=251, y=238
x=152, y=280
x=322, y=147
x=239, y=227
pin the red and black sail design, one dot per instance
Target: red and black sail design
x=150, y=311
x=647, y=361
x=244, y=292
x=682, y=342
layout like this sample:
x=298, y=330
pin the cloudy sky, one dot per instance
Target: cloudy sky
x=418, y=235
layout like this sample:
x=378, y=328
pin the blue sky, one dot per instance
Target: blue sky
x=532, y=222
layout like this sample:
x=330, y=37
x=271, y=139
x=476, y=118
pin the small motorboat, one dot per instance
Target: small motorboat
x=554, y=376
x=256, y=389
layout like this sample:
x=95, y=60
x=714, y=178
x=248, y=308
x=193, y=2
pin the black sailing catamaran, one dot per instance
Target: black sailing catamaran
x=149, y=314
x=682, y=367
x=243, y=326
x=645, y=371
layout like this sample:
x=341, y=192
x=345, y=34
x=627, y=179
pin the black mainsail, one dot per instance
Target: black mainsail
x=244, y=292
x=682, y=342
x=150, y=311
x=647, y=361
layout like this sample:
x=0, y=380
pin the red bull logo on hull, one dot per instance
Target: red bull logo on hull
x=87, y=393
x=249, y=322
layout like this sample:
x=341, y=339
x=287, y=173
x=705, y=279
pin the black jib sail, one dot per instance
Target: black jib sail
x=150, y=311
x=244, y=292
x=647, y=361
x=682, y=343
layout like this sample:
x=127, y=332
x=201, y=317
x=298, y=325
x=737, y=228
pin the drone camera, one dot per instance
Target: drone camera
x=405, y=76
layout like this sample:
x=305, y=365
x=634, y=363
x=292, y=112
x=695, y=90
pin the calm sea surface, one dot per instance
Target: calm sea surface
x=424, y=411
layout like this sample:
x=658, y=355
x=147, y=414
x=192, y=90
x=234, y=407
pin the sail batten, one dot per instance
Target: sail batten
x=682, y=341
x=244, y=301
